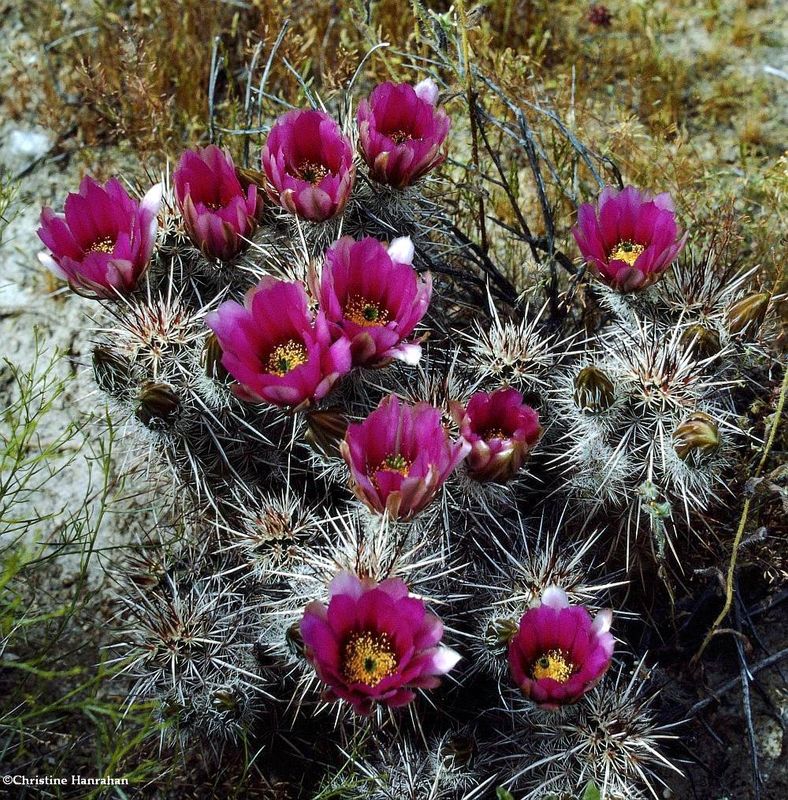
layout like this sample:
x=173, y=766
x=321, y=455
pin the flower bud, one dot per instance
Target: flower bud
x=652, y=500
x=702, y=341
x=594, y=391
x=273, y=525
x=157, y=403
x=698, y=432
x=600, y=15
x=224, y=700
x=499, y=632
x=458, y=751
x=294, y=639
x=212, y=359
x=749, y=310
x=325, y=429
x=110, y=370
x=251, y=177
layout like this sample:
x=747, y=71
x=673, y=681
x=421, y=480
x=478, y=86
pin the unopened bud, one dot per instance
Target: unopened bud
x=295, y=642
x=458, y=751
x=157, y=402
x=702, y=341
x=251, y=177
x=212, y=359
x=750, y=310
x=698, y=432
x=501, y=631
x=111, y=370
x=224, y=700
x=594, y=391
x=325, y=428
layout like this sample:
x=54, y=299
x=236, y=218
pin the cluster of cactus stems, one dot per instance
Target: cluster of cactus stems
x=398, y=501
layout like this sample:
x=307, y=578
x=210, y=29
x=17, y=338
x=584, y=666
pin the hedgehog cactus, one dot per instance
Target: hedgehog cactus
x=377, y=446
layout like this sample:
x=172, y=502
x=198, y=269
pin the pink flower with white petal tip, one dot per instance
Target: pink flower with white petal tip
x=103, y=242
x=375, y=298
x=401, y=132
x=374, y=643
x=276, y=350
x=631, y=239
x=559, y=652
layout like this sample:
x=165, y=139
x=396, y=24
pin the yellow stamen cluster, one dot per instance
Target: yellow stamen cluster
x=494, y=433
x=398, y=137
x=368, y=658
x=312, y=172
x=627, y=252
x=396, y=462
x=285, y=357
x=365, y=312
x=393, y=463
x=104, y=245
x=552, y=664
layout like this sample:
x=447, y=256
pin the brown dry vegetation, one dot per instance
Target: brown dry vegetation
x=674, y=93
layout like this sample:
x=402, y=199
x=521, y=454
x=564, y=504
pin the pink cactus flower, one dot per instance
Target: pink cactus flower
x=309, y=164
x=559, y=652
x=374, y=643
x=217, y=212
x=400, y=456
x=374, y=297
x=103, y=242
x=274, y=347
x=631, y=239
x=501, y=430
x=401, y=132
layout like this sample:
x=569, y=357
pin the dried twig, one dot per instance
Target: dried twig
x=470, y=94
x=746, y=677
x=767, y=662
x=214, y=74
x=743, y=521
x=547, y=212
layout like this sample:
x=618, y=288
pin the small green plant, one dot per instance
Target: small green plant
x=53, y=678
x=9, y=192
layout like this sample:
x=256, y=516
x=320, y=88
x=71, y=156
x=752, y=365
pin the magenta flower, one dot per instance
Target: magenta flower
x=275, y=349
x=103, y=242
x=217, y=212
x=559, y=652
x=374, y=643
x=374, y=297
x=400, y=456
x=309, y=164
x=401, y=132
x=631, y=239
x=501, y=430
